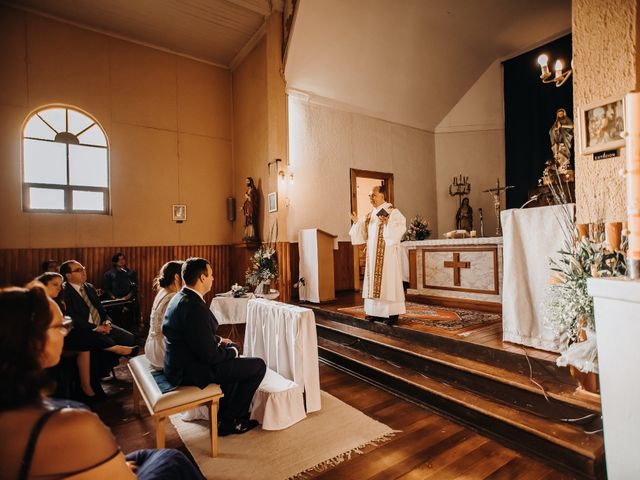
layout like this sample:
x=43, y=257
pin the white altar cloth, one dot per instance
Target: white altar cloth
x=284, y=336
x=229, y=310
x=531, y=237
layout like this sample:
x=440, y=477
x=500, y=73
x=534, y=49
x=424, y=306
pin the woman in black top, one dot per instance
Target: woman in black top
x=43, y=440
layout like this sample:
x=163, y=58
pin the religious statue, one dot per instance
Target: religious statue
x=464, y=216
x=561, y=135
x=250, y=210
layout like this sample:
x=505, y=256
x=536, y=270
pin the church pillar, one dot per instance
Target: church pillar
x=605, y=65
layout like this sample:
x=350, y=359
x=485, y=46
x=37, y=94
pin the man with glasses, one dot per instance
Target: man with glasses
x=381, y=230
x=83, y=306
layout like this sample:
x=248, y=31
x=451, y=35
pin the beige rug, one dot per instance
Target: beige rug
x=318, y=442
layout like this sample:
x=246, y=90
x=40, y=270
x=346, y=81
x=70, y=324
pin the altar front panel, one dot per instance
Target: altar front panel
x=465, y=270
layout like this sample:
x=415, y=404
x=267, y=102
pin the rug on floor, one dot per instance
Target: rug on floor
x=452, y=320
x=320, y=441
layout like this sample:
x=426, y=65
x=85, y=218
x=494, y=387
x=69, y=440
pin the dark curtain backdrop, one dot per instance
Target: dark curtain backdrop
x=530, y=110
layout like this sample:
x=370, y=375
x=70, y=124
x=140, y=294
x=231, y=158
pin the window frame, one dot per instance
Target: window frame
x=67, y=188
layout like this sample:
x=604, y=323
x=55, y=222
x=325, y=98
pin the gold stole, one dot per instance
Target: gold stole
x=375, y=286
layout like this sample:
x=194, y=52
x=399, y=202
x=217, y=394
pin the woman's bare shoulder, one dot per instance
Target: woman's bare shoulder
x=72, y=440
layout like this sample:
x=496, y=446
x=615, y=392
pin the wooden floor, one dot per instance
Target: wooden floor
x=428, y=446
x=489, y=336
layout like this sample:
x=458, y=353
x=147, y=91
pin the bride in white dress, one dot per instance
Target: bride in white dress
x=167, y=283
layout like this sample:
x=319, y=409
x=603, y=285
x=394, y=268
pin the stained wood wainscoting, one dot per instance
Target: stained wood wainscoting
x=19, y=266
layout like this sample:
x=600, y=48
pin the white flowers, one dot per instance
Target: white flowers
x=418, y=229
x=263, y=266
x=238, y=290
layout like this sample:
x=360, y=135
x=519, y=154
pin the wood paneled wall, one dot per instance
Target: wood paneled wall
x=285, y=285
x=19, y=266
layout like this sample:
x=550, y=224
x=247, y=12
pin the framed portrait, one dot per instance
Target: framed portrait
x=179, y=213
x=272, y=202
x=601, y=125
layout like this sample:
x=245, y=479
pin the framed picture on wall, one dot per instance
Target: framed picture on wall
x=601, y=125
x=272, y=202
x=179, y=213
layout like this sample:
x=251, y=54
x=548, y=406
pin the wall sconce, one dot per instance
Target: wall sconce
x=273, y=162
x=291, y=178
x=281, y=174
x=545, y=75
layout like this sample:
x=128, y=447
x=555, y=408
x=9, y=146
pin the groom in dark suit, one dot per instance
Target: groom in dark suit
x=195, y=355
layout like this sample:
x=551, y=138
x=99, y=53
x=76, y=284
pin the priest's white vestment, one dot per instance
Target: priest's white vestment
x=382, y=286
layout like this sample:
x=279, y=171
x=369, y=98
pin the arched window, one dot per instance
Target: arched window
x=65, y=163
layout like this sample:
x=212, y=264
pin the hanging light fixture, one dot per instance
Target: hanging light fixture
x=559, y=78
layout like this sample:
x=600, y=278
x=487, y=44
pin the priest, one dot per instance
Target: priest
x=381, y=230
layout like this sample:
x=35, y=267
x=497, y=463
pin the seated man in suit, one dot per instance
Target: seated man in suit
x=82, y=304
x=195, y=355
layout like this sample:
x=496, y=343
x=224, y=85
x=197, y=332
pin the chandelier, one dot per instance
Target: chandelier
x=559, y=78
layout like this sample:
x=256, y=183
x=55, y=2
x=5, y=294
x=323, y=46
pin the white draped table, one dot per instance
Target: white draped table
x=531, y=237
x=229, y=310
x=284, y=336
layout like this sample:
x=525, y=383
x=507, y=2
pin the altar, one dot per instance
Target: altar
x=465, y=272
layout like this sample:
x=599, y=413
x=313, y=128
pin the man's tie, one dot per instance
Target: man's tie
x=95, y=315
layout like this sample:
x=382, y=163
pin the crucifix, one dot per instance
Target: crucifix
x=456, y=264
x=496, y=191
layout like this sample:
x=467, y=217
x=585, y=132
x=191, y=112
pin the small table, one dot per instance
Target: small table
x=284, y=336
x=230, y=310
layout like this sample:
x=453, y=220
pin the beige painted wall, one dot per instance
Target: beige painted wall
x=260, y=128
x=325, y=143
x=605, y=59
x=470, y=140
x=167, y=119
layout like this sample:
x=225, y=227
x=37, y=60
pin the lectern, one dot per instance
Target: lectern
x=316, y=265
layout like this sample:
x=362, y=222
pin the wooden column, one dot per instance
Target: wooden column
x=284, y=271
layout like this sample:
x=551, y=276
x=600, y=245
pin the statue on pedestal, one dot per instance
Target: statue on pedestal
x=464, y=216
x=250, y=210
x=561, y=135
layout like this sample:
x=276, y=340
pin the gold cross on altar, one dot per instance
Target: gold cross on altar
x=456, y=264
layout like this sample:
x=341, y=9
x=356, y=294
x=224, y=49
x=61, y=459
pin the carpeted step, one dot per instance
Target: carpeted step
x=566, y=445
x=557, y=399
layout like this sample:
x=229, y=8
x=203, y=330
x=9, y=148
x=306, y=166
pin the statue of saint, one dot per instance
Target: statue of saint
x=561, y=135
x=464, y=216
x=250, y=210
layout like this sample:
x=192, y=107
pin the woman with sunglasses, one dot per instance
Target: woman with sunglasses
x=46, y=440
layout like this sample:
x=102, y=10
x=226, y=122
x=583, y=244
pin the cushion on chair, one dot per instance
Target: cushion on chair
x=278, y=403
x=141, y=369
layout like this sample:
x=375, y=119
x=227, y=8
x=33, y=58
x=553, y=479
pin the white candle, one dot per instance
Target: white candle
x=632, y=126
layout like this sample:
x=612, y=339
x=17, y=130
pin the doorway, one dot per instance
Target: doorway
x=362, y=181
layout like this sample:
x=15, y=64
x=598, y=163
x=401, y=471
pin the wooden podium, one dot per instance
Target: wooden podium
x=316, y=265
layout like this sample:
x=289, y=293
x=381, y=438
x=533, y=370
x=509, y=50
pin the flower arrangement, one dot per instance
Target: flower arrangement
x=264, y=266
x=238, y=291
x=568, y=308
x=418, y=229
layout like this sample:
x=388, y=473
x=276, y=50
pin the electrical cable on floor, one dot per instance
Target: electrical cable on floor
x=544, y=392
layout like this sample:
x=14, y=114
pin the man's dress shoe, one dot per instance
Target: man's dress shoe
x=392, y=320
x=238, y=427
